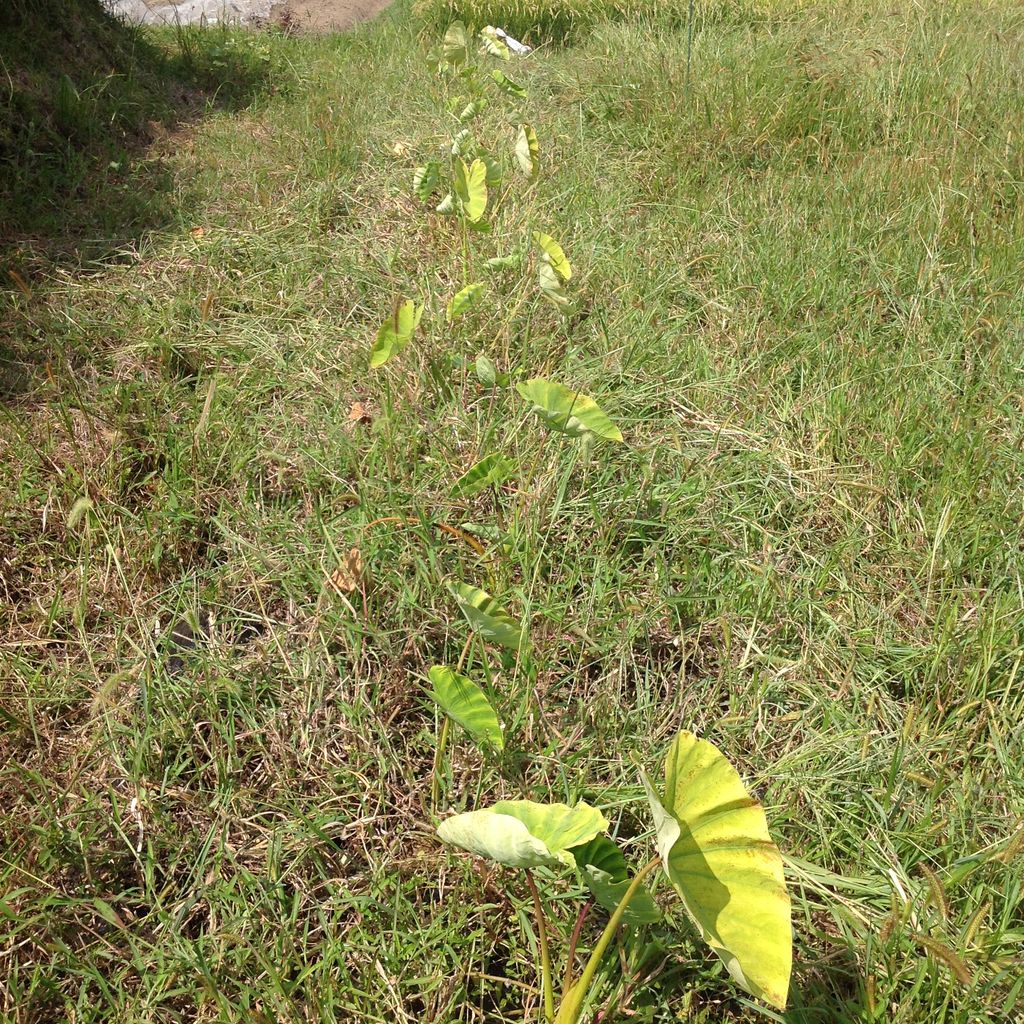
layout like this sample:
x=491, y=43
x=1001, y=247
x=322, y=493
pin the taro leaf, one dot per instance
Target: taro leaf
x=464, y=702
x=498, y=263
x=553, y=255
x=396, y=332
x=463, y=144
x=505, y=84
x=493, y=43
x=465, y=299
x=527, y=151
x=551, y=284
x=456, y=44
x=447, y=205
x=494, y=172
x=715, y=848
x=425, y=180
x=488, y=617
x=490, y=471
x=472, y=109
x=568, y=411
x=606, y=874
x=488, y=374
x=524, y=834
x=471, y=187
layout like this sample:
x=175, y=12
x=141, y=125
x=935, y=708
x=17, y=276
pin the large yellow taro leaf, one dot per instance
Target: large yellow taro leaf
x=714, y=844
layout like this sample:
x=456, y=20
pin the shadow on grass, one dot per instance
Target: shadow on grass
x=83, y=99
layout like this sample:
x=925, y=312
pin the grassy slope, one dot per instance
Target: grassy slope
x=802, y=303
x=84, y=100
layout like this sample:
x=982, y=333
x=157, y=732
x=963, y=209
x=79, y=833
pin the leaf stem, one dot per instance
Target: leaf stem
x=435, y=779
x=572, y=1001
x=573, y=943
x=545, y=957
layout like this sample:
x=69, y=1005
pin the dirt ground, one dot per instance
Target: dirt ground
x=326, y=15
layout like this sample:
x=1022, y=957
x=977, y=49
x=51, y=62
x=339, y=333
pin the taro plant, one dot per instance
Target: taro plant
x=712, y=843
x=463, y=180
x=462, y=700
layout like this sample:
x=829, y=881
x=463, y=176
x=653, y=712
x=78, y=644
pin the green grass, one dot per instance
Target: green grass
x=800, y=299
x=561, y=20
x=85, y=102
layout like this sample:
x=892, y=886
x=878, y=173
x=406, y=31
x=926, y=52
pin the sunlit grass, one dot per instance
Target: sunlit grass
x=799, y=281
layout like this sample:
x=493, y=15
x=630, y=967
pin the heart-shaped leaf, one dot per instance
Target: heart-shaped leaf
x=463, y=144
x=464, y=300
x=553, y=255
x=714, y=845
x=551, y=284
x=488, y=617
x=567, y=411
x=524, y=834
x=498, y=263
x=425, y=180
x=488, y=373
x=490, y=471
x=494, y=171
x=505, y=84
x=606, y=874
x=471, y=187
x=527, y=151
x=472, y=109
x=455, y=47
x=493, y=43
x=464, y=702
x=396, y=332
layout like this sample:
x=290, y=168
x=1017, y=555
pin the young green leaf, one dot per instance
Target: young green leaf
x=715, y=848
x=606, y=874
x=498, y=263
x=464, y=300
x=464, y=702
x=455, y=47
x=506, y=85
x=447, y=205
x=494, y=172
x=553, y=255
x=493, y=43
x=524, y=834
x=488, y=374
x=471, y=187
x=488, y=617
x=486, y=371
x=490, y=471
x=472, y=109
x=463, y=144
x=567, y=411
x=527, y=151
x=425, y=180
x=396, y=332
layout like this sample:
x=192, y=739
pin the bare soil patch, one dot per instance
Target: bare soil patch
x=327, y=15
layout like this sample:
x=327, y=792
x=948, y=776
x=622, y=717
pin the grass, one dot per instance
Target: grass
x=88, y=105
x=800, y=300
x=562, y=20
